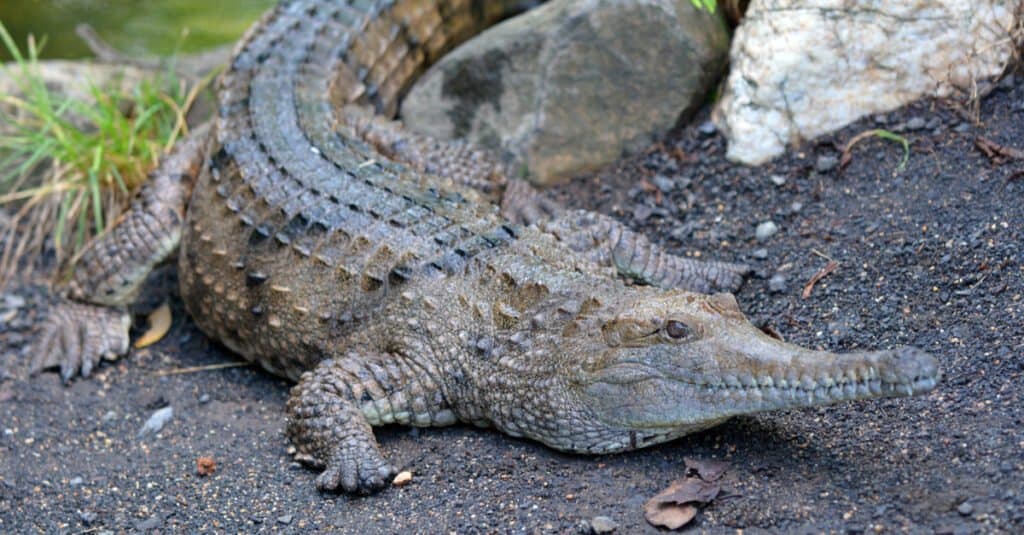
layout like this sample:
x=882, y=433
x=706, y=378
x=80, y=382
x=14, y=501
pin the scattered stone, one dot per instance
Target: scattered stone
x=778, y=180
x=766, y=230
x=826, y=163
x=796, y=207
x=75, y=481
x=965, y=509
x=707, y=128
x=87, y=517
x=156, y=421
x=573, y=84
x=13, y=302
x=760, y=254
x=777, y=284
x=915, y=123
x=285, y=519
x=204, y=399
x=109, y=416
x=602, y=524
x=403, y=478
x=664, y=183
x=152, y=522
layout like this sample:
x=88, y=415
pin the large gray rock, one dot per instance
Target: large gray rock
x=573, y=84
x=803, y=68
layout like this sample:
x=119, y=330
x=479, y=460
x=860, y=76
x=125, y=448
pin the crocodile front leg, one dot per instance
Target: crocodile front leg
x=91, y=322
x=609, y=242
x=332, y=407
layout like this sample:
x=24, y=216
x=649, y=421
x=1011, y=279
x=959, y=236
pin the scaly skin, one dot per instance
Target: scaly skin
x=396, y=292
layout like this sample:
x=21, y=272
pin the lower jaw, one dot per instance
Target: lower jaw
x=768, y=398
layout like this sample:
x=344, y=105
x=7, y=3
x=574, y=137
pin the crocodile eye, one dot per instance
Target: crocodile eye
x=677, y=329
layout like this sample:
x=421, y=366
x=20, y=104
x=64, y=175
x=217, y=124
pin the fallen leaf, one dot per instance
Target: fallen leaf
x=707, y=469
x=205, y=466
x=670, y=516
x=159, y=324
x=675, y=506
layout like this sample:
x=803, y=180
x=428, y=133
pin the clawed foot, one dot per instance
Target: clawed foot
x=523, y=204
x=331, y=433
x=353, y=472
x=76, y=336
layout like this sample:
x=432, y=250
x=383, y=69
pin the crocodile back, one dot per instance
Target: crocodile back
x=298, y=230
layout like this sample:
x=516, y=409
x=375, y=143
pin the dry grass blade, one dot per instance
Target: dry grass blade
x=846, y=156
x=821, y=274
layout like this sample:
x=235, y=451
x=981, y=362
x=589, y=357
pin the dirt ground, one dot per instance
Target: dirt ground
x=931, y=255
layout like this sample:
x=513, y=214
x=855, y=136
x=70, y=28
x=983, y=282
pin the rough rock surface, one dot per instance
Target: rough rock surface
x=573, y=84
x=802, y=68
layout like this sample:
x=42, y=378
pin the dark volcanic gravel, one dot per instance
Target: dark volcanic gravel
x=931, y=255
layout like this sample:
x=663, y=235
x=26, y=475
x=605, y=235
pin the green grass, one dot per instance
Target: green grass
x=708, y=5
x=68, y=166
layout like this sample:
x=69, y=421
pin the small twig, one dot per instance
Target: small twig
x=194, y=369
x=821, y=274
x=823, y=255
x=996, y=152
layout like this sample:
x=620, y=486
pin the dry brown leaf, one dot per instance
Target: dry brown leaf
x=676, y=505
x=707, y=469
x=671, y=516
x=159, y=324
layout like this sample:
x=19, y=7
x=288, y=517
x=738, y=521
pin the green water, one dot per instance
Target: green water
x=135, y=27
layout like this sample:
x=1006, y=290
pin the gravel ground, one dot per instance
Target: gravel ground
x=931, y=255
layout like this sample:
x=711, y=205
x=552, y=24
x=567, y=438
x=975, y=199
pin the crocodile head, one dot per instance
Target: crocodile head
x=671, y=363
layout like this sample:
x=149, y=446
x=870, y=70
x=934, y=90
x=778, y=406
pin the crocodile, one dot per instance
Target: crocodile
x=400, y=280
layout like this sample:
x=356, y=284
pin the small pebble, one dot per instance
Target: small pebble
x=285, y=519
x=777, y=284
x=157, y=421
x=87, y=517
x=766, y=230
x=13, y=302
x=204, y=399
x=760, y=254
x=664, y=183
x=75, y=481
x=826, y=163
x=965, y=509
x=707, y=128
x=403, y=478
x=778, y=180
x=109, y=416
x=915, y=123
x=602, y=524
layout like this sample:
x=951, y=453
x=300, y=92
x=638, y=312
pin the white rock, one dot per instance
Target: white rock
x=803, y=68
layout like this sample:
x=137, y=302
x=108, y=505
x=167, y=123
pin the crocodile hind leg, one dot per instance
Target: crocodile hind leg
x=91, y=320
x=607, y=241
x=332, y=407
